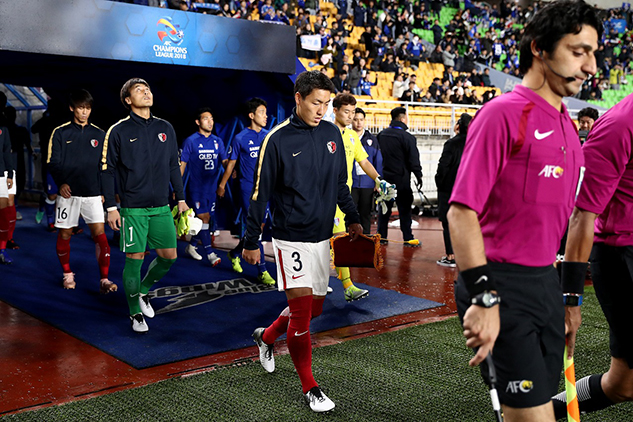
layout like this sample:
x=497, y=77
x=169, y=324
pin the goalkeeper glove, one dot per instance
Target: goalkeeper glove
x=386, y=193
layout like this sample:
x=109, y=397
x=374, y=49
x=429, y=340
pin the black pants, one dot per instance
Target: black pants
x=364, y=199
x=442, y=209
x=448, y=246
x=403, y=201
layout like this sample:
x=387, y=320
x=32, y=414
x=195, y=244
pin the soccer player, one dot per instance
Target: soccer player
x=302, y=166
x=142, y=152
x=7, y=213
x=400, y=158
x=514, y=192
x=74, y=155
x=362, y=185
x=204, y=153
x=246, y=145
x=600, y=231
x=344, y=107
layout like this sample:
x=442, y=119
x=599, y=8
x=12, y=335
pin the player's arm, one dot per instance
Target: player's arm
x=414, y=160
x=265, y=178
x=109, y=159
x=183, y=166
x=230, y=165
x=369, y=169
x=8, y=157
x=175, y=177
x=54, y=163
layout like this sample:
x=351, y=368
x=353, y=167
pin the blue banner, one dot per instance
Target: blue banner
x=111, y=30
x=618, y=24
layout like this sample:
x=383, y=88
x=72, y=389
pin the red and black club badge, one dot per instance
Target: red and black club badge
x=94, y=143
x=331, y=146
x=162, y=137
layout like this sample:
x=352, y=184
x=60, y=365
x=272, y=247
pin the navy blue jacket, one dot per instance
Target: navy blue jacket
x=143, y=154
x=400, y=156
x=6, y=158
x=302, y=168
x=372, y=148
x=74, y=154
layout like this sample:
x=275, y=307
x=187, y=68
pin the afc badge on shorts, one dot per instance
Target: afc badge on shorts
x=162, y=137
x=94, y=143
x=331, y=146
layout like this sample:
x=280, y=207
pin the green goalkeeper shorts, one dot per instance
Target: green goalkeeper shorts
x=140, y=226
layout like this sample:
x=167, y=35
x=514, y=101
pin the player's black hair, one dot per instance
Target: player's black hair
x=127, y=87
x=463, y=122
x=343, y=99
x=360, y=111
x=589, y=112
x=3, y=100
x=551, y=24
x=397, y=112
x=310, y=80
x=203, y=110
x=80, y=97
x=253, y=104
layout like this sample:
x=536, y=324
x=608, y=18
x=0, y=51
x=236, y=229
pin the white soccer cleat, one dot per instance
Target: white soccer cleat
x=138, y=323
x=318, y=401
x=266, y=356
x=214, y=259
x=146, y=308
x=192, y=252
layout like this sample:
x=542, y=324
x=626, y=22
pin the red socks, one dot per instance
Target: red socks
x=63, y=253
x=317, y=307
x=11, y=215
x=278, y=328
x=103, y=254
x=299, y=343
x=4, y=227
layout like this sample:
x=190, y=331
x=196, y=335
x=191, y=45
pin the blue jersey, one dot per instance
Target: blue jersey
x=245, y=147
x=204, y=158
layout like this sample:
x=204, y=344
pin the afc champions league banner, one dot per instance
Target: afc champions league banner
x=111, y=30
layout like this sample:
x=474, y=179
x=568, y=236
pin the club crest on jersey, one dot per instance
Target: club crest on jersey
x=162, y=137
x=0, y=131
x=215, y=144
x=331, y=146
x=94, y=143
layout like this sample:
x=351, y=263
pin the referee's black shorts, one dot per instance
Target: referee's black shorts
x=612, y=270
x=528, y=354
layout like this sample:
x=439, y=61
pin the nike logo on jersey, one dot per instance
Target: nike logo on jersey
x=68, y=142
x=296, y=153
x=131, y=244
x=294, y=277
x=538, y=135
x=132, y=140
x=482, y=278
x=300, y=334
x=134, y=295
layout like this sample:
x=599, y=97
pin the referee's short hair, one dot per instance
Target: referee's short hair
x=127, y=87
x=397, y=112
x=590, y=112
x=343, y=99
x=550, y=24
x=80, y=97
x=310, y=80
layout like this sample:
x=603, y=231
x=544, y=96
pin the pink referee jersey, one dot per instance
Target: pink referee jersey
x=607, y=188
x=520, y=170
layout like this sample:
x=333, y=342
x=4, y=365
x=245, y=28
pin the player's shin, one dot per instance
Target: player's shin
x=132, y=283
x=157, y=270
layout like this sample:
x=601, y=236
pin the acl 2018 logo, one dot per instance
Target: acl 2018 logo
x=171, y=36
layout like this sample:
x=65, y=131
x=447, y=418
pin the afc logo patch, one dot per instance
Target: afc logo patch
x=94, y=143
x=331, y=146
x=162, y=137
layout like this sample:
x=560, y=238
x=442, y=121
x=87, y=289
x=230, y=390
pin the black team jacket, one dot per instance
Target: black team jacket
x=6, y=159
x=303, y=169
x=74, y=154
x=143, y=155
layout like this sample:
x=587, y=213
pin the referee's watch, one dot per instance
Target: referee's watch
x=486, y=299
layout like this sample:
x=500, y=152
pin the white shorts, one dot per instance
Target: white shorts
x=4, y=192
x=302, y=264
x=67, y=211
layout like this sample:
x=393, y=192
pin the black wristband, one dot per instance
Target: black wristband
x=572, y=277
x=478, y=280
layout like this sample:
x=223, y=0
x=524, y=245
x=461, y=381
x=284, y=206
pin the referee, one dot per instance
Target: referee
x=514, y=192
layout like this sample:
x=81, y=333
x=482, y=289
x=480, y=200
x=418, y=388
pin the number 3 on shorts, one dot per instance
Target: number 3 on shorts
x=297, y=258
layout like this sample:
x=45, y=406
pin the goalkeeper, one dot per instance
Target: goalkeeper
x=344, y=107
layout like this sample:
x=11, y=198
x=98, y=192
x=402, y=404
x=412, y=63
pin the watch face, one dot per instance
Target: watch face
x=489, y=299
